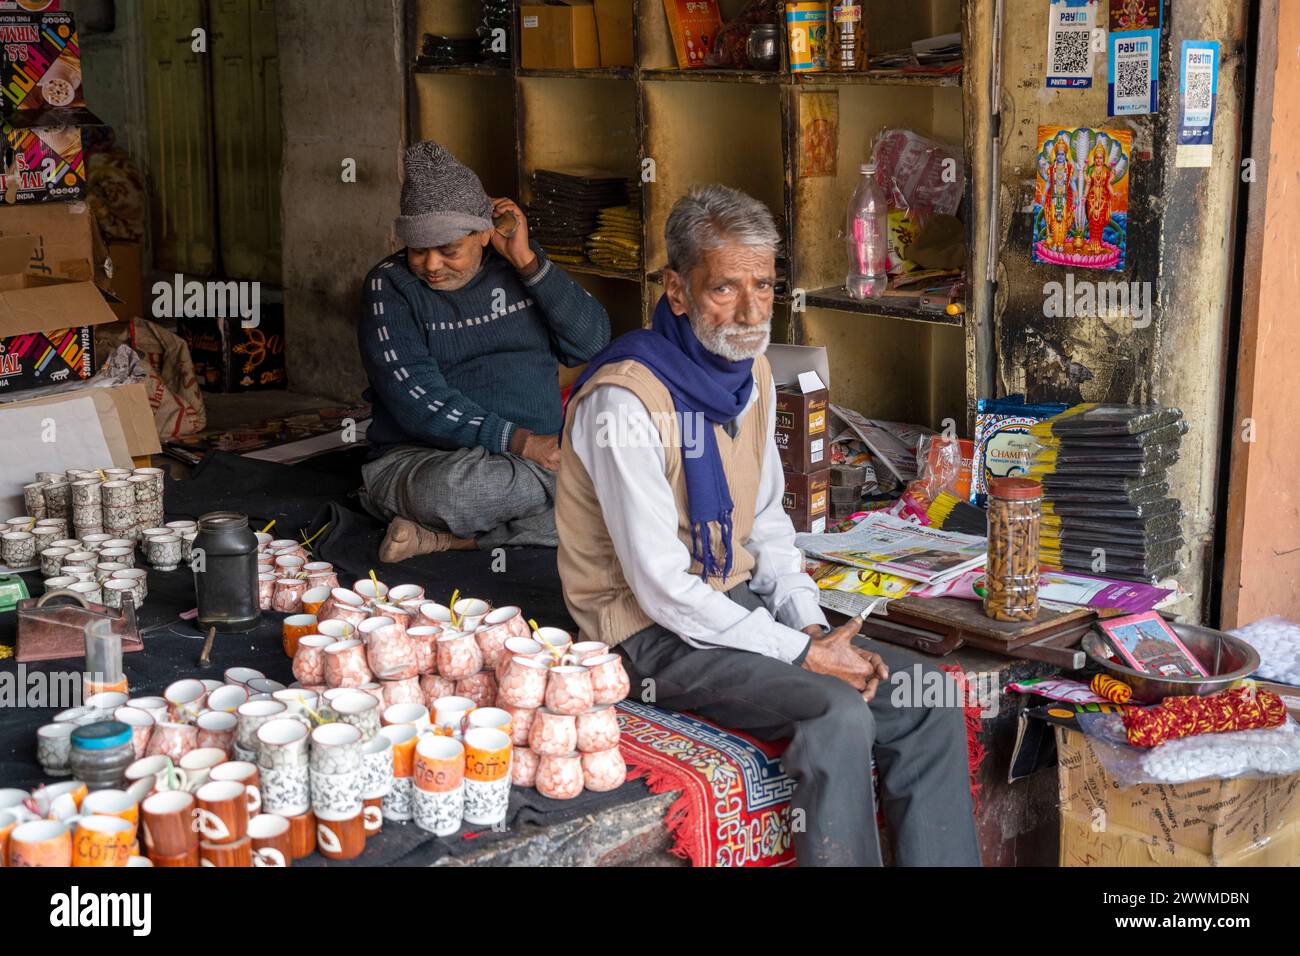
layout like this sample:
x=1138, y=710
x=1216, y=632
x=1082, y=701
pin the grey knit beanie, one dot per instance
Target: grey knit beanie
x=442, y=199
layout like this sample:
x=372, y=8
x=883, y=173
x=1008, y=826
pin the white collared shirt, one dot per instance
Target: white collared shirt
x=641, y=516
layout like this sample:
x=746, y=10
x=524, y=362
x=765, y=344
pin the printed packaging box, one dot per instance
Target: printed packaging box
x=40, y=71
x=230, y=358
x=45, y=322
x=48, y=165
x=806, y=500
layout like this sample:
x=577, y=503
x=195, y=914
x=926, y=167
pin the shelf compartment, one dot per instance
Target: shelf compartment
x=821, y=201
x=897, y=371
x=474, y=117
x=732, y=136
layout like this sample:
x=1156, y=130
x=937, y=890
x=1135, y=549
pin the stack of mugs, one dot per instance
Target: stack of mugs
x=116, y=501
x=561, y=698
x=99, y=567
x=286, y=580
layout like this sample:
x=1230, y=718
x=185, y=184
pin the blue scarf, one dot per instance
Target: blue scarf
x=700, y=382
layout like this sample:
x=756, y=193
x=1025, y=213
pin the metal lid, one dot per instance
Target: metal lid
x=101, y=735
x=1015, y=489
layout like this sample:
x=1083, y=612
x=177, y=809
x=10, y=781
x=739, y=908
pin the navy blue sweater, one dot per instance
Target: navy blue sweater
x=464, y=369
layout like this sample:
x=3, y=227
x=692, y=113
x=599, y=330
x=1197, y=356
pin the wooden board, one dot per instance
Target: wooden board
x=945, y=615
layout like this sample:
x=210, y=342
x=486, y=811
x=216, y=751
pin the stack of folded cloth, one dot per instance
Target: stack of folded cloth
x=494, y=32
x=1104, y=470
x=447, y=51
x=566, y=206
x=616, y=243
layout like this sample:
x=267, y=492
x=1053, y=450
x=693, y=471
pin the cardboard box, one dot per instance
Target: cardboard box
x=128, y=279
x=67, y=243
x=801, y=435
x=40, y=71
x=614, y=32
x=230, y=358
x=95, y=425
x=802, y=376
x=558, y=35
x=1204, y=823
x=45, y=322
x=49, y=165
x=806, y=500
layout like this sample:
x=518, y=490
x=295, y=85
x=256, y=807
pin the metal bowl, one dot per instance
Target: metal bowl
x=1227, y=658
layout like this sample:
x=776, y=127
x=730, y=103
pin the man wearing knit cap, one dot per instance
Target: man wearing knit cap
x=461, y=335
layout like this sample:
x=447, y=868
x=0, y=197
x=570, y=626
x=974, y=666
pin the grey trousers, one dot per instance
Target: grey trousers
x=921, y=751
x=499, y=500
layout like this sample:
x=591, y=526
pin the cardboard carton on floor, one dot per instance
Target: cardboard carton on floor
x=558, y=35
x=92, y=426
x=45, y=322
x=1242, y=822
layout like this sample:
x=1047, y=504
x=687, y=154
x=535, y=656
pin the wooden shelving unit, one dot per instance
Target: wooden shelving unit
x=889, y=358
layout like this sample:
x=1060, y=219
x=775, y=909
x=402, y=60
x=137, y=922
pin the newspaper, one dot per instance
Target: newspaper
x=894, y=443
x=882, y=542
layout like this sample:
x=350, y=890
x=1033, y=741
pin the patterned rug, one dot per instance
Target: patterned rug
x=735, y=804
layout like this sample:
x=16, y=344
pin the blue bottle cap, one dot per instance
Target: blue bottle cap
x=101, y=735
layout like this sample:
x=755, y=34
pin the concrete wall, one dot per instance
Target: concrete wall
x=343, y=88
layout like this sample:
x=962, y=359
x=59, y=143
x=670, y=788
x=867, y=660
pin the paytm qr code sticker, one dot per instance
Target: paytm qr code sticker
x=1198, y=89
x=1131, y=72
x=1070, y=25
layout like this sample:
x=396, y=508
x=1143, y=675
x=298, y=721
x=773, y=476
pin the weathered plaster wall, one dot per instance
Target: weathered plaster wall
x=343, y=84
x=1179, y=240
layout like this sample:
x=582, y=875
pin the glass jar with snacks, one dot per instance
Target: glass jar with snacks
x=1012, y=570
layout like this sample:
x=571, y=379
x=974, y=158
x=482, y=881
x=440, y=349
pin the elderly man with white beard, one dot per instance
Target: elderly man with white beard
x=675, y=551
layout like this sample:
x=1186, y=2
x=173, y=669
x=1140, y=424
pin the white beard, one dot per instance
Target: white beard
x=728, y=341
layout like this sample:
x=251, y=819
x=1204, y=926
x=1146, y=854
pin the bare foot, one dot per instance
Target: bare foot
x=405, y=539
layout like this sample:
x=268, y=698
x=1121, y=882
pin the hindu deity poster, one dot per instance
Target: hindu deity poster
x=1081, y=197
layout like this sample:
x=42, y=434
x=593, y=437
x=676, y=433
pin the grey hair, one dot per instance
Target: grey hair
x=711, y=216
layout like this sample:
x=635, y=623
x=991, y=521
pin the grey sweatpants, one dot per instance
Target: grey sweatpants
x=921, y=751
x=499, y=500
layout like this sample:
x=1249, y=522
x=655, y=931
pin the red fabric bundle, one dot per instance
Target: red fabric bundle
x=1241, y=709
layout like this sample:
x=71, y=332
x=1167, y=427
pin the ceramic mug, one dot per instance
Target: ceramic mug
x=553, y=733
x=603, y=770
x=40, y=843
x=487, y=776
x=480, y=688
x=217, y=729
x=282, y=743
x=141, y=723
x=294, y=628
x=335, y=749
x=309, y=658
x=439, y=768
x=516, y=647
x=272, y=845
x=433, y=686
x=524, y=683
x=54, y=747
x=559, y=776
x=345, y=664
x=102, y=841
x=458, y=655
x=523, y=767
x=609, y=680
x=168, y=826
x=246, y=775
x=376, y=767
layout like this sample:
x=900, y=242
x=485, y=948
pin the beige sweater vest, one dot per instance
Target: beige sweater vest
x=595, y=590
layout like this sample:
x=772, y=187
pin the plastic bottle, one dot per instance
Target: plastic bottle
x=866, y=233
x=847, y=41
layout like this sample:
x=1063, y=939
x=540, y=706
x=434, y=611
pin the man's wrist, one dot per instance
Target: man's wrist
x=518, y=438
x=529, y=268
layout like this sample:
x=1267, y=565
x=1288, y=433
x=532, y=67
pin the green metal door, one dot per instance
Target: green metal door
x=247, y=137
x=180, y=154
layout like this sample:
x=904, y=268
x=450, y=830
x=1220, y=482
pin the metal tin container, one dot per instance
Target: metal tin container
x=224, y=560
x=100, y=753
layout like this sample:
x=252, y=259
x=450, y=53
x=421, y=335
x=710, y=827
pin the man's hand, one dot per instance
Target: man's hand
x=542, y=449
x=836, y=656
x=514, y=248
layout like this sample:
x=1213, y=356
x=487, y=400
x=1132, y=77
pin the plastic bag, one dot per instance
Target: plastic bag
x=1273, y=752
x=919, y=174
x=1278, y=643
